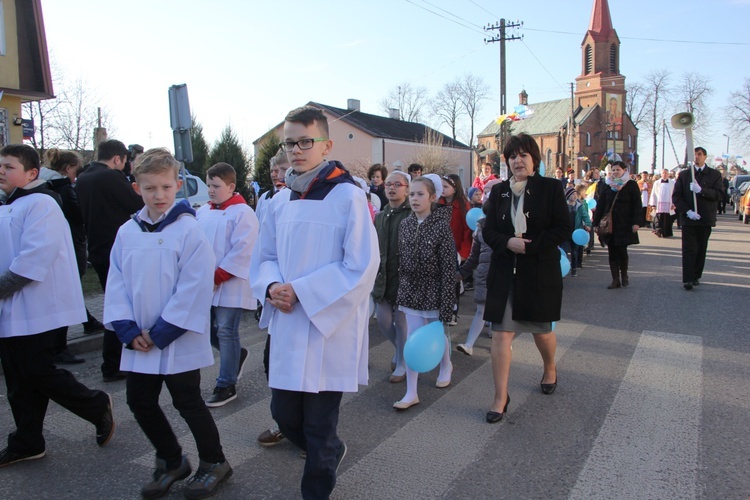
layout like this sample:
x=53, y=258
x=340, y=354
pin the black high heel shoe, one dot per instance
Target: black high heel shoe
x=548, y=388
x=494, y=417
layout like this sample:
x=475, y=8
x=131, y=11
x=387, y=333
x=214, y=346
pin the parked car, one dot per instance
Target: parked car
x=737, y=195
x=196, y=189
x=734, y=191
x=744, y=204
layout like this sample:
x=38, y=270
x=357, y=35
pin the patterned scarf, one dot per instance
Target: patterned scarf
x=516, y=210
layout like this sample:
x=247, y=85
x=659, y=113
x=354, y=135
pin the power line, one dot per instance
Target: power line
x=699, y=42
x=487, y=11
x=542, y=65
x=446, y=18
x=451, y=14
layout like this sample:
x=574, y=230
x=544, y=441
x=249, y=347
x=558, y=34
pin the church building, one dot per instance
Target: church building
x=577, y=133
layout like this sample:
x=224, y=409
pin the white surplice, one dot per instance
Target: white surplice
x=661, y=196
x=35, y=243
x=232, y=233
x=328, y=251
x=168, y=274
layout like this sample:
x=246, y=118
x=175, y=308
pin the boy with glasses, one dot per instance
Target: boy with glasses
x=316, y=259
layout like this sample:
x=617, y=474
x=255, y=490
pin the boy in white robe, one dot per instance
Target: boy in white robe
x=317, y=257
x=158, y=302
x=40, y=294
x=232, y=228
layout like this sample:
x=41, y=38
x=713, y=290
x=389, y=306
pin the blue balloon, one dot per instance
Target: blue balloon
x=580, y=237
x=591, y=203
x=554, y=324
x=425, y=347
x=472, y=216
x=563, y=254
x=564, y=265
x=542, y=168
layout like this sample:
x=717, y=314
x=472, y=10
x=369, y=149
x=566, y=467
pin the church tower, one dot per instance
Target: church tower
x=600, y=78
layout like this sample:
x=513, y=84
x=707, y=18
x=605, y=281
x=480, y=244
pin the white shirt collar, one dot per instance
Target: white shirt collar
x=143, y=215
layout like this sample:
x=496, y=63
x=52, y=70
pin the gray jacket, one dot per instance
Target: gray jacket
x=478, y=262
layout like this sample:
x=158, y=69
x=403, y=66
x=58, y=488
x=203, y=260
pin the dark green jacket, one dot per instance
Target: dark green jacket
x=387, y=222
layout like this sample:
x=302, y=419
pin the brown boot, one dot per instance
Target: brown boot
x=614, y=268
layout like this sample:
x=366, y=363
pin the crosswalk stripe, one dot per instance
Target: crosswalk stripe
x=648, y=444
x=424, y=456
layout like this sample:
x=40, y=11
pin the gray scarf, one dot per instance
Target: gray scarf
x=299, y=182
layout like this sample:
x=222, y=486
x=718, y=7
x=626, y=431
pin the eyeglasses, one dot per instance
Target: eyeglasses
x=395, y=184
x=303, y=144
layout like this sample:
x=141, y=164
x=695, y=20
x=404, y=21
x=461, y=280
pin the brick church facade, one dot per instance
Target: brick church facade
x=600, y=125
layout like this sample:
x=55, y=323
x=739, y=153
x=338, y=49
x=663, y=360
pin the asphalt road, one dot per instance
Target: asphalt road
x=652, y=402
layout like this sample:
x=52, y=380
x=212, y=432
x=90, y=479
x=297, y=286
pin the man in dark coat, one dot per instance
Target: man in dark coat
x=696, y=221
x=107, y=200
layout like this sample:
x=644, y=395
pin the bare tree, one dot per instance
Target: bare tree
x=409, y=101
x=432, y=155
x=657, y=92
x=691, y=94
x=447, y=106
x=474, y=91
x=76, y=117
x=738, y=113
x=636, y=103
x=40, y=113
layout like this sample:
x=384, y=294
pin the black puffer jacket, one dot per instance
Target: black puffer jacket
x=428, y=263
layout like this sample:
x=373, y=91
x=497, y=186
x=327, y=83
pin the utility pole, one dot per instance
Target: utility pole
x=502, y=37
x=572, y=132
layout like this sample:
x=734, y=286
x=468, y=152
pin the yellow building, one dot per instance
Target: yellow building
x=24, y=64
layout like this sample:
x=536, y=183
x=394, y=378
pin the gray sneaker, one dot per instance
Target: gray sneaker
x=206, y=479
x=163, y=478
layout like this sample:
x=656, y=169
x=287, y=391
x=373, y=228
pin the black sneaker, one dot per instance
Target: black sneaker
x=221, y=396
x=340, y=456
x=164, y=478
x=106, y=426
x=243, y=358
x=114, y=377
x=207, y=478
x=696, y=282
x=8, y=457
x=65, y=357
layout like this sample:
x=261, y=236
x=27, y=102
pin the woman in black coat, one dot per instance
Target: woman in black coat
x=527, y=219
x=626, y=216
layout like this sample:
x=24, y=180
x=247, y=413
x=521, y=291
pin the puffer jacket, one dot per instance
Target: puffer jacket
x=427, y=263
x=478, y=262
x=387, y=222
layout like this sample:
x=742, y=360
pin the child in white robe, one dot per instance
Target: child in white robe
x=232, y=228
x=40, y=295
x=158, y=301
x=317, y=257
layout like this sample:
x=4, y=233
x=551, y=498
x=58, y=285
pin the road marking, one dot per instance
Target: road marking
x=424, y=457
x=648, y=444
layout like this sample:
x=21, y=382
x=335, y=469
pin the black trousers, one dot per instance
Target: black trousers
x=32, y=379
x=694, y=246
x=111, y=345
x=185, y=388
x=309, y=421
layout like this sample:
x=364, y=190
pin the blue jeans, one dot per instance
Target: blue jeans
x=225, y=336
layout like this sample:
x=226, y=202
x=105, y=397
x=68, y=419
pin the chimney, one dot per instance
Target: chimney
x=352, y=104
x=523, y=98
x=394, y=113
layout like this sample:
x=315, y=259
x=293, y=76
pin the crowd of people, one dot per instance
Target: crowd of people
x=319, y=247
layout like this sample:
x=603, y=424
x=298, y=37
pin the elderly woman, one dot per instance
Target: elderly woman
x=623, y=199
x=527, y=219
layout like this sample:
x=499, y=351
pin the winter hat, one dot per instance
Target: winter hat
x=570, y=192
x=472, y=190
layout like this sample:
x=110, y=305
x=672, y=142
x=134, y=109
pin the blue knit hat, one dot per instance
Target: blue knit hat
x=472, y=190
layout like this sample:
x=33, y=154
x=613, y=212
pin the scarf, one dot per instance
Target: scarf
x=516, y=210
x=300, y=182
x=617, y=183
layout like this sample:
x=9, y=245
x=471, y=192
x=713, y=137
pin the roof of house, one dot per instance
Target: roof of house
x=547, y=119
x=387, y=128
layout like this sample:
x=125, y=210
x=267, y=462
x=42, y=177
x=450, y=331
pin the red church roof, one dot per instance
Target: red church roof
x=600, y=25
